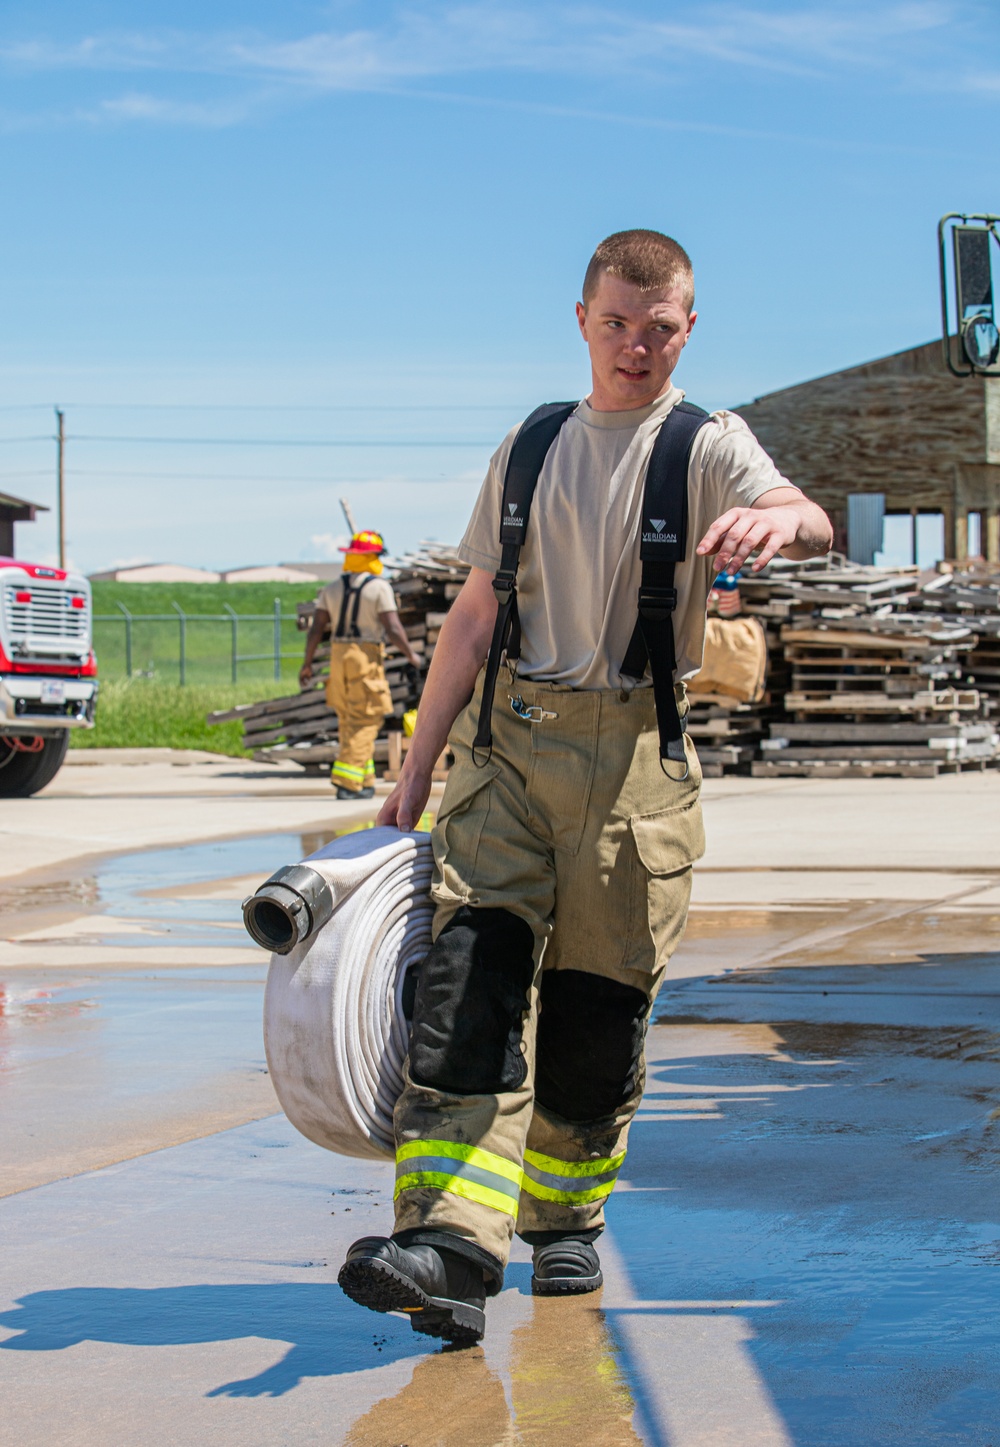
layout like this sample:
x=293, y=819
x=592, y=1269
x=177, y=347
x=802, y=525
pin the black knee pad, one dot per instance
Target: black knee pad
x=472, y=993
x=590, y=1038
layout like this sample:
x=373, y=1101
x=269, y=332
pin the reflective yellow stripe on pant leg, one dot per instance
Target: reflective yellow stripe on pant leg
x=347, y=771
x=570, y=1183
x=461, y=1170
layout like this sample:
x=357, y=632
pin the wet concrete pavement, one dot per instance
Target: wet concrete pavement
x=804, y=1248
x=109, y=800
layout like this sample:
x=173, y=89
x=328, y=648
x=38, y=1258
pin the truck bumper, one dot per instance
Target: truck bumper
x=32, y=705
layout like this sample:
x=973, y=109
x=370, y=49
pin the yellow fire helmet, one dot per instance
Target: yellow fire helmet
x=364, y=553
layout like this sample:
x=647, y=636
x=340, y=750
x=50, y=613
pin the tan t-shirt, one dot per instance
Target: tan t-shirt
x=579, y=578
x=377, y=597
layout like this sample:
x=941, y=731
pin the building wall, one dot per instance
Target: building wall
x=901, y=425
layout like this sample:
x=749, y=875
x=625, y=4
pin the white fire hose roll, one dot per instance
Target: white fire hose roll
x=334, y=1029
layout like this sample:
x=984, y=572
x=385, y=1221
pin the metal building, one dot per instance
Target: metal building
x=14, y=510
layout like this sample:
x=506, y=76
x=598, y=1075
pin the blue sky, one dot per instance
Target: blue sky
x=285, y=253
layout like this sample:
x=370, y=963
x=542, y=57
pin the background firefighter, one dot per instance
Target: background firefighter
x=360, y=610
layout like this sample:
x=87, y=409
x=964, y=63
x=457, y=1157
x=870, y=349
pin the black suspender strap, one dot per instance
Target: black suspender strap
x=348, y=594
x=663, y=539
x=345, y=587
x=527, y=455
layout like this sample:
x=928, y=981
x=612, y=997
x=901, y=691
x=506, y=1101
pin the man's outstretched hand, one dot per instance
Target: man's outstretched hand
x=407, y=801
x=745, y=530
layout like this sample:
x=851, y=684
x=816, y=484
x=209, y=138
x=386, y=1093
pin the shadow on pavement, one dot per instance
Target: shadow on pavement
x=566, y=1382
x=328, y=1335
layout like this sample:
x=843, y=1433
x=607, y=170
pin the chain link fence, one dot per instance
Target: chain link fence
x=183, y=647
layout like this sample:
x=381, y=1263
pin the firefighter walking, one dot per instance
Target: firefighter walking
x=564, y=843
x=360, y=611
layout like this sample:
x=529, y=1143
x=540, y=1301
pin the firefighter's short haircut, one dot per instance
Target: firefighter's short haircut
x=646, y=259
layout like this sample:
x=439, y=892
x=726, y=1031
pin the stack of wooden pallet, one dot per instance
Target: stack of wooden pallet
x=920, y=748
x=880, y=679
x=726, y=733
x=970, y=596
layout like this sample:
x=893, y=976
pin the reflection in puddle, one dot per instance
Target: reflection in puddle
x=453, y=1399
x=39, y=1007
x=567, y=1389
x=60, y=894
x=567, y=1383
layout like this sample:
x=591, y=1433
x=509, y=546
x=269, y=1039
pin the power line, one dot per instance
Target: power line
x=380, y=407
x=269, y=477
x=269, y=441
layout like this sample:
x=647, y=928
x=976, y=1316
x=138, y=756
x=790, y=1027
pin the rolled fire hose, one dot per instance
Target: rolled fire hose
x=345, y=926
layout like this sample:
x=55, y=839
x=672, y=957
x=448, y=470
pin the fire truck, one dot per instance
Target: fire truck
x=48, y=672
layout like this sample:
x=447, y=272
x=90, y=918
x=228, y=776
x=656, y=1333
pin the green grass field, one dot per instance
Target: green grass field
x=146, y=714
x=200, y=597
x=209, y=632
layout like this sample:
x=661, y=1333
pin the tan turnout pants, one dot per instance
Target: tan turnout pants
x=358, y=693
x=573, y=827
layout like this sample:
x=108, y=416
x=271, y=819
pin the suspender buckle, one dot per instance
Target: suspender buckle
x=657, y=604
x=503, y=587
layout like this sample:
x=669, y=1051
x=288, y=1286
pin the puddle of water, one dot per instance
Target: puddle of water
x=95, y=1067
x=177, y=896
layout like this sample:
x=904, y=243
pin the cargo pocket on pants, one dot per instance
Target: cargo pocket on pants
x=373, y=697
x=459, y=830
x=667, y=844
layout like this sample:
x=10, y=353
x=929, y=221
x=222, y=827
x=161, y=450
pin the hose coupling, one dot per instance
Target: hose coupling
x=288, y=908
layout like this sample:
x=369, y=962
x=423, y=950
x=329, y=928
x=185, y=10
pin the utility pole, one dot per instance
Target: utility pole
x=60, y=487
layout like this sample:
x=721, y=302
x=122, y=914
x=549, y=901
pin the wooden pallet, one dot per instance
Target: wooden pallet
x=884, y=751
x=948, y=700
x=853, y=769
x=726, y=756
x=881, y=742
x=883, y=730
x=398, y=744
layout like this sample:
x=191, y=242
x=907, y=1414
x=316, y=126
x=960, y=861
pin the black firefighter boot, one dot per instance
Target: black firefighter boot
x=442, y=1293
x=564, y=1266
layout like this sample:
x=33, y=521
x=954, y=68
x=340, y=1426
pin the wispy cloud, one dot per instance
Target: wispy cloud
x=442, y=42
x=139, y=106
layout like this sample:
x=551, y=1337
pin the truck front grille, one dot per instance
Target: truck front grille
x=48, y=624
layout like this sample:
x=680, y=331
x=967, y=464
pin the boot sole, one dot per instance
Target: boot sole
x=566, y=1285
x=379, y=1286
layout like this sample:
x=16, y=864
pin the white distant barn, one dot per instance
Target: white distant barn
x=271, y=573
x=181, y=573
x=157, y=573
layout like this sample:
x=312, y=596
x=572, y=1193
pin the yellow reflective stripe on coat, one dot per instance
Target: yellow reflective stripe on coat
x=463, y=1170
x=570, y=1183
